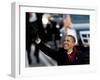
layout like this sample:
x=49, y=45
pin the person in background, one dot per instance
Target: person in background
x=28, y=36
x=33, y=25
x=67, y=29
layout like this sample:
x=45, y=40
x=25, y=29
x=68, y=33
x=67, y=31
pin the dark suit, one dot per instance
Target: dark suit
x=61, y=57
x=31, y=33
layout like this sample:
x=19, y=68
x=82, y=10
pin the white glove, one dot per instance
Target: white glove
x=38, y=40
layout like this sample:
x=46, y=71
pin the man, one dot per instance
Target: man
x=68, y=55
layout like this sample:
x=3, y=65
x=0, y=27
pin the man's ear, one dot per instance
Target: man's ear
x=73, y=43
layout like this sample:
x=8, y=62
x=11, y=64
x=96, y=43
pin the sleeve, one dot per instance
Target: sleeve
x=48, y=51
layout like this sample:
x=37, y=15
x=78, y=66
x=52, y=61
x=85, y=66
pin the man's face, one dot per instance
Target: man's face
x=67, y=21
x=68, y=43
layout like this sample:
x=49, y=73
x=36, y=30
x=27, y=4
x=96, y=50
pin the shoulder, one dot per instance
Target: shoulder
x=61, y=50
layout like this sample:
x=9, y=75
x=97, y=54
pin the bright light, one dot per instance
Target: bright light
x=44, y=20
x=57, y=26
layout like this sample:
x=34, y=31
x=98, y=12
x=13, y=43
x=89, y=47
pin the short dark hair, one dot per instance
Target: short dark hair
x=74, y=40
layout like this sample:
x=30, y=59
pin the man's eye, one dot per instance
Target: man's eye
x=68, y=40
